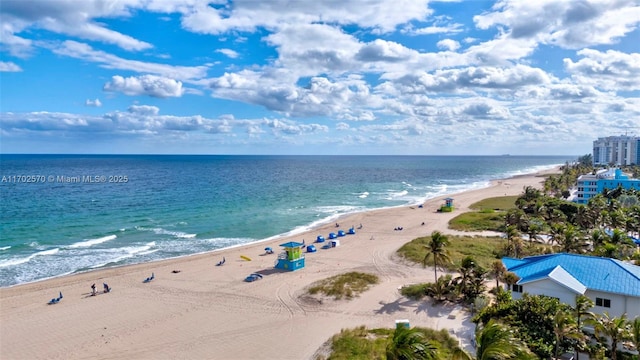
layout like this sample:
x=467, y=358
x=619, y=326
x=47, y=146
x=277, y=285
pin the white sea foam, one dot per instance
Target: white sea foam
x=394, y=195
x=338, y=209
x=178, y=234
x=22, y=260
x=5, y=248
x=124, y=253
x=92, y=242
x=364, y=195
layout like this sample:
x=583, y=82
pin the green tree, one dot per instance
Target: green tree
x=436, y=249
x=497, y=271
x=616, y=329
x=581, y=312
x=510, y=278
x=410, y=344
x=496, y=341
x=533, y=316
x=565, y=328
x=635, y=333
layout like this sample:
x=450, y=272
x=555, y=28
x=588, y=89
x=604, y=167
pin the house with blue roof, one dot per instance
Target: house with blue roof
x=613, y=285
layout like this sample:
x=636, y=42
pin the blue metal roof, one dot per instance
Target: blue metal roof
x=596, y=273
x=292, y=244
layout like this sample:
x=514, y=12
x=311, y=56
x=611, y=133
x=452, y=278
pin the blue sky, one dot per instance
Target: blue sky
x=317, y=77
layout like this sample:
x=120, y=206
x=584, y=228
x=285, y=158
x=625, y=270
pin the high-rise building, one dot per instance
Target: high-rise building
x=616, y=150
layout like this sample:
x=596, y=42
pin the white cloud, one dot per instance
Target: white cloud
x=229, y=53
x=93, y=103
x=144, y=110
x=448, y=44
x=85, y=52
x=150, y=85
x=610, y=70
x=247, y=15
x=8, y=66
x=569, y=24
x=73, y=18
x=388, y=51
x=465, y=79
x=435, y=29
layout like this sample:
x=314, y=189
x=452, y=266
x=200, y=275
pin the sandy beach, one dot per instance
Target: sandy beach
x=204, y=311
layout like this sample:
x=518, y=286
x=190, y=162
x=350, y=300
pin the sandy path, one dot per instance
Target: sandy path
x=208, y=312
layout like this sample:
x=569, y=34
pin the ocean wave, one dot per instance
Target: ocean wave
x=91, y=242
x=5, y=248
x=162, y=231
x=364, y=195
x=336, y=209
x=394, y=195
x=22, y=260
x=120, y=254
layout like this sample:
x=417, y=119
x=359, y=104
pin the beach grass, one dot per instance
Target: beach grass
x=500, y=203
x=414, y=291
x=489, y=215
x=346, y=285
x=483, y=249
x=363, y=343
x=485, y=220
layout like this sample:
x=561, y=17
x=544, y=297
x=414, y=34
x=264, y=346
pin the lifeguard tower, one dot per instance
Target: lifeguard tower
x=292, y=258
x=448, y=205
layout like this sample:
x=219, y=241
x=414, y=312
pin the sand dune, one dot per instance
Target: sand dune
x=209, y=312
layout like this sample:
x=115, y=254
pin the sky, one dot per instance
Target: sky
x=344, y=77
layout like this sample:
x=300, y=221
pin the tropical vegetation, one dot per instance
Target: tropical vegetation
x=346, y=285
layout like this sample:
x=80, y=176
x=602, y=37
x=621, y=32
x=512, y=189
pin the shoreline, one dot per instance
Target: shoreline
x=302, y=228
x=203, y=309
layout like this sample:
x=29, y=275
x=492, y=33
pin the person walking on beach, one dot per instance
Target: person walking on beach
x=106, y=288
x=93, y=289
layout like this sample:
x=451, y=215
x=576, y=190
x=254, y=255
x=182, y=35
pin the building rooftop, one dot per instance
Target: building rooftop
x=578, y=271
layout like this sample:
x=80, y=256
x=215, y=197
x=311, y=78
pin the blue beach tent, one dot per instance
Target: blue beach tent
x=332, y=235
x=320, y=238
x=341, y=233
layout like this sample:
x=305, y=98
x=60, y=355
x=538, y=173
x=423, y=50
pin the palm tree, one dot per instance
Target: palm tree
x=442, y=289
x=466, y=269
x=436, y=249
x=497, y=271
x=510, y=278
x=511, y=233
x=617, y=329
x=410, y=344
x=635, y=333
x=580, y=312
x=496, y=341
x=564, y=327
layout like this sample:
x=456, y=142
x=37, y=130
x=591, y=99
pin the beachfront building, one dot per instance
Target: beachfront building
x=591, y=185
x=612, y=285
x=616, y=150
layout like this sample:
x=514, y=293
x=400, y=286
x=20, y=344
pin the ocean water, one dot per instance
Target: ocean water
x=61, y=214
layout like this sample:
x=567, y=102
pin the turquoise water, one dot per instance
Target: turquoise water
x=62, y=214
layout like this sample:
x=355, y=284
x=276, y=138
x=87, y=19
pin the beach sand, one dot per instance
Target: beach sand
x=208, y=312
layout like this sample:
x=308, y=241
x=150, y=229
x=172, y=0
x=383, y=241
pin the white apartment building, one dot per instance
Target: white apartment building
x=616, y=150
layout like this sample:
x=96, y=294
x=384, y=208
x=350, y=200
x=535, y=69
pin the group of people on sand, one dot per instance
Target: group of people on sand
x=105, y=287
x=398, y=228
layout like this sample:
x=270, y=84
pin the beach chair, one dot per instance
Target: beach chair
x=55, y=300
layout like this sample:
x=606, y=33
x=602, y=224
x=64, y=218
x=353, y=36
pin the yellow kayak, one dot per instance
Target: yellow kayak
x=245, y=257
